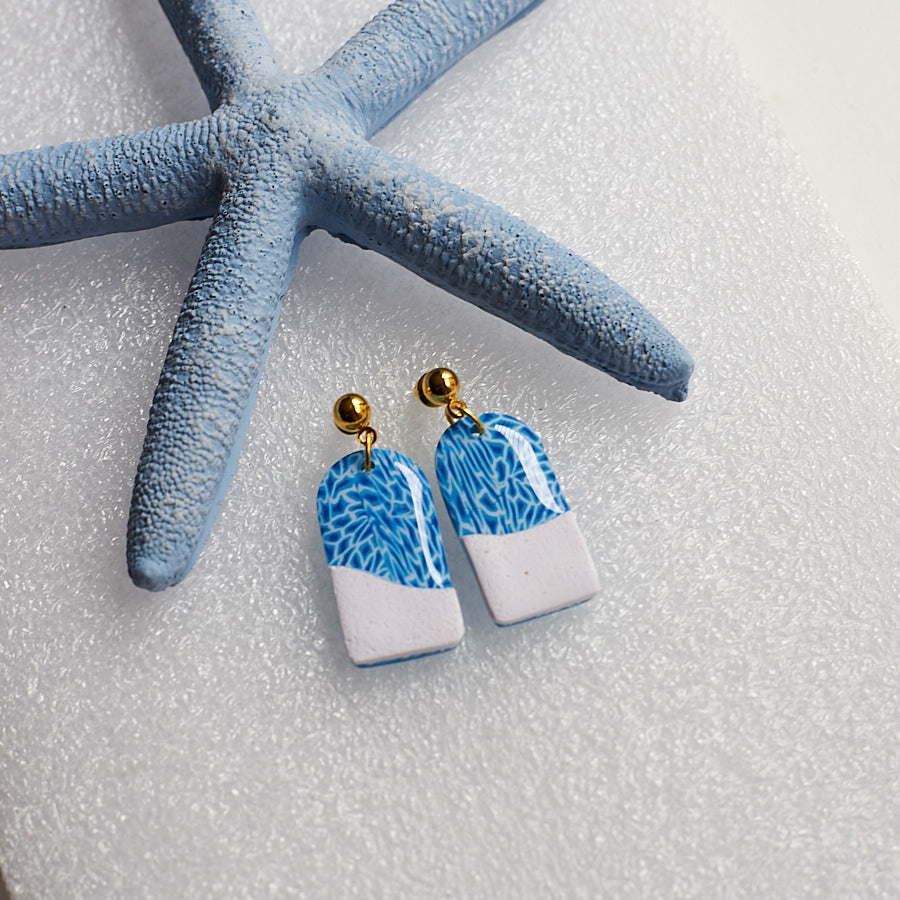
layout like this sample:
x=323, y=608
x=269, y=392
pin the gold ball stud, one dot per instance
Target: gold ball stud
x=437, y=387
x=352, y=413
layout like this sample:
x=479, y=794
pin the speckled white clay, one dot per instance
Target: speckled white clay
x=383, y=621
x=533, y=572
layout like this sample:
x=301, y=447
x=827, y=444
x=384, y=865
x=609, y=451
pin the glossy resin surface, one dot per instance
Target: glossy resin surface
x=382, y=521
x=499, y=482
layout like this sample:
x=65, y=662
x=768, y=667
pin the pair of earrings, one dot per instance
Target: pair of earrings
x=383, y=543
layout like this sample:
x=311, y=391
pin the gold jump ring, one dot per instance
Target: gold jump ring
x=367, y=437
x=457, y=408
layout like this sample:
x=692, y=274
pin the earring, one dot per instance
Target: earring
x=504, y=500
x=384, y=550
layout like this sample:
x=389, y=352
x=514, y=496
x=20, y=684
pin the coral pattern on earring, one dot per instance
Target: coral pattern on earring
x=384, y=551
x=507, y=507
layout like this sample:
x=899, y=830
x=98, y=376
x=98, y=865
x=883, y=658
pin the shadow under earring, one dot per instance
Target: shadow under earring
x=384, y=550
x=507, y=507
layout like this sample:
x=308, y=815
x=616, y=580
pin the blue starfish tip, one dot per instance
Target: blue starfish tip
x=152, y=574
x=681, y=370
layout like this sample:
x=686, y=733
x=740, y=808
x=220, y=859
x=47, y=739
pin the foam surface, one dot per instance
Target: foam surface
x=724, y=722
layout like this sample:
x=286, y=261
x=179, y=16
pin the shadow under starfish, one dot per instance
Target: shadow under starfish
x=280, y=155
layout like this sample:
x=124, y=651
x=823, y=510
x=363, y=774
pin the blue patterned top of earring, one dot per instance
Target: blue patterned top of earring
x=382, y=521
x=499, y=482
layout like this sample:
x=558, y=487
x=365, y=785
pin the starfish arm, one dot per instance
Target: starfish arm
x=205, y=395
x=123, y=183
x=225, y=43
x=406, y=47
x=479, y=252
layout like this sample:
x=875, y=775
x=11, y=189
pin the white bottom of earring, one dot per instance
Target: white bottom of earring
x=534, y=572
x=384, y=622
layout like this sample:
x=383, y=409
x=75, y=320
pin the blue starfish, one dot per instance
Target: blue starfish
x=279, y=155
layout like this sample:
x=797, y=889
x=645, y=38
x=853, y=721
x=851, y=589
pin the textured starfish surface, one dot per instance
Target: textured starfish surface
x=279, y=155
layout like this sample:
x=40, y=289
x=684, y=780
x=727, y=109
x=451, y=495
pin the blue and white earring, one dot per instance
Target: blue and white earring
x=384, y=550
x=507, y=507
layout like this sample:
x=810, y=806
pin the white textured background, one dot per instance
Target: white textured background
x=723, y=722
x=828, y=69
